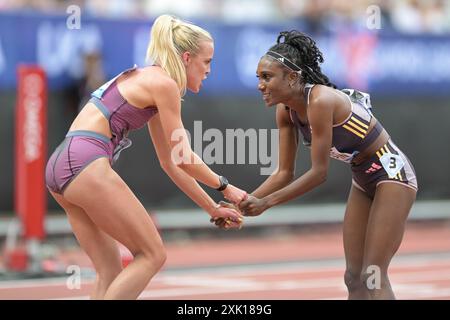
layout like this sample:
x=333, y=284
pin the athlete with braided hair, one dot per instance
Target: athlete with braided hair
x=337, y=124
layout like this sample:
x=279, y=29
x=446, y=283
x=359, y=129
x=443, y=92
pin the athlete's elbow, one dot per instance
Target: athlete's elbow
x=285, y=176
x=186, y=166
x=183, y=159
x=320, y=175
x=172, y=163
x=322, y=178
x=167, y=165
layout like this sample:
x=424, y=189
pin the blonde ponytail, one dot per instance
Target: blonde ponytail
x=170, y=37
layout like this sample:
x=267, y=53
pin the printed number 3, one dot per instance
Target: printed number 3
x=392, y=163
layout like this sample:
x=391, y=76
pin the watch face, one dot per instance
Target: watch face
x=223, y=183
x=224, y=180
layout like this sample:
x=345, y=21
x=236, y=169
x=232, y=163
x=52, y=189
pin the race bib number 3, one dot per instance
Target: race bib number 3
x=392, y=163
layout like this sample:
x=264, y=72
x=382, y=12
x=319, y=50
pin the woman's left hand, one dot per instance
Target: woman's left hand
x=253, y=206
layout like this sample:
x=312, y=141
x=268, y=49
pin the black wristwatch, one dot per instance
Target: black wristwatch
x=223, y=183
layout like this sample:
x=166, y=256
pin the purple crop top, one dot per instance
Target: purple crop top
x=122, y=116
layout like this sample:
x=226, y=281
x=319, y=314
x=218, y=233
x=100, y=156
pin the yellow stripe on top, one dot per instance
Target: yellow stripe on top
x=353, y=131
x=357, y=127
x=359, y=122
x=354, y=125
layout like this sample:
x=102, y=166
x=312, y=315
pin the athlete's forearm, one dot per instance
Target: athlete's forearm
x=191, y=188
x=198, y=170
x=298, y=187
x=274, y=183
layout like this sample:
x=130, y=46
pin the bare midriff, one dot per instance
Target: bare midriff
x=380, y=141
x=92, y=119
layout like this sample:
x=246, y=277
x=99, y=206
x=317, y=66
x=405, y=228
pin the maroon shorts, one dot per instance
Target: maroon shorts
x=77, y=151
x=388, y=164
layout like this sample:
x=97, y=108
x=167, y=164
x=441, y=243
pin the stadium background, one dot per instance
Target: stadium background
x=405, y=66
x=404, y=63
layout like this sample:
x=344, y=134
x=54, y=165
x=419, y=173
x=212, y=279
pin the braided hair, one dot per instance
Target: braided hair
x=302, y=50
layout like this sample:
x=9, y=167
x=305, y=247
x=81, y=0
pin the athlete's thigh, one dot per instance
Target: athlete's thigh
x=354, y=229
x=390, y=208
x=100, y=247
x=113, y=207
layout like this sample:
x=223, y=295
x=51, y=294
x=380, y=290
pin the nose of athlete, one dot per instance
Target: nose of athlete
x=261, y=87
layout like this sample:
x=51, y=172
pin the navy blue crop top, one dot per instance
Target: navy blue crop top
x=350, y=137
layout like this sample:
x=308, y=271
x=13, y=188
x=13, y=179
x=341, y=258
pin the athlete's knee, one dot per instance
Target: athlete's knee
x=161, y=258
x=374, y=278
x=155, y=253
x=352, y=279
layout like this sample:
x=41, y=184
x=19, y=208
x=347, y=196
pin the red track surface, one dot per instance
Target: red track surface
x=308, y=265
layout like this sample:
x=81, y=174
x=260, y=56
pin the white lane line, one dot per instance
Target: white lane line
x=218, y=281
x=202, y=285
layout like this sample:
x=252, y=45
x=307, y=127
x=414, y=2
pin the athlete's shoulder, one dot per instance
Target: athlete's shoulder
x=157, y=80
x=322, y=97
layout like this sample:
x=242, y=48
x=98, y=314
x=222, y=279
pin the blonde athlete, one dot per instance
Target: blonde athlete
x=100, y=206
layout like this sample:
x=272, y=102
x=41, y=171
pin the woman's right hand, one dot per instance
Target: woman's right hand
x=231, y=217
x=227, y=223
x=233, y=194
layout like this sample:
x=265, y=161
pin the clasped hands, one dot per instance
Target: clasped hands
x=250, y=207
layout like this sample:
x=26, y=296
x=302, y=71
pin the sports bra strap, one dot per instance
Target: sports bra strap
x=99, y=104
x=100, y=91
